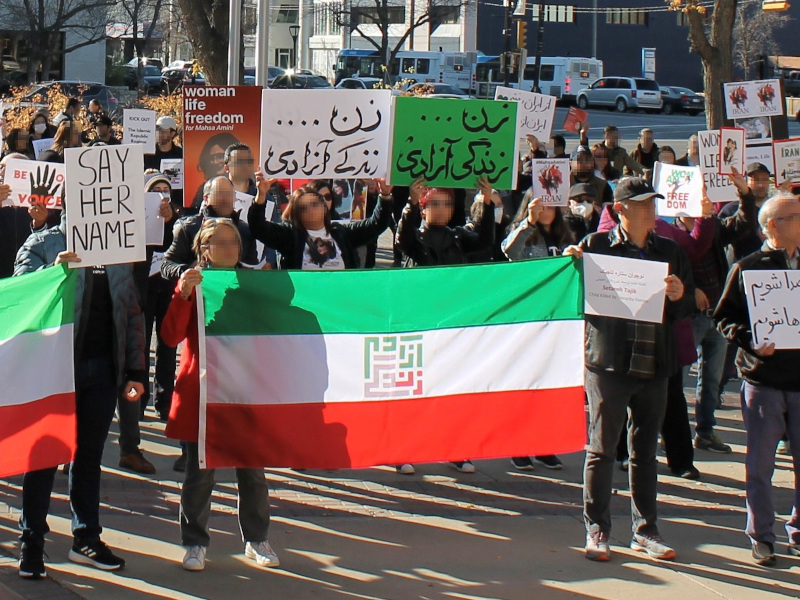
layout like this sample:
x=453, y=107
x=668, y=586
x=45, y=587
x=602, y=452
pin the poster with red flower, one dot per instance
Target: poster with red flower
x=745, y=99
x=551, y=180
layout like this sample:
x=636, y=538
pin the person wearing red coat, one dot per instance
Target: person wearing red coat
x=217, y=245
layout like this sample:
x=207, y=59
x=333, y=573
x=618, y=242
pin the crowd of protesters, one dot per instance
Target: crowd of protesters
x=634, y=379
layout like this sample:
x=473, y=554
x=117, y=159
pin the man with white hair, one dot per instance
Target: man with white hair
x=771, y=379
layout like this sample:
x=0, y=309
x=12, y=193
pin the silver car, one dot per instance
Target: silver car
x=622, y=93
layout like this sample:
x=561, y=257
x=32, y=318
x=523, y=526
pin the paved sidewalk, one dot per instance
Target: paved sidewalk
x=374, y=534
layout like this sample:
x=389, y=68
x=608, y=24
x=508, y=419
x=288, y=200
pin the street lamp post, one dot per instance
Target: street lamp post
x=294, y=31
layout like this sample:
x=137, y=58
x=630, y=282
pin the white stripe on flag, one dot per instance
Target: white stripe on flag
x=34, y=365
x=333, y=367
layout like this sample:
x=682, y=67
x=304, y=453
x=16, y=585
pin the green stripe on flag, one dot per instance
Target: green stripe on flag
x=36, y=301
x=391, y=301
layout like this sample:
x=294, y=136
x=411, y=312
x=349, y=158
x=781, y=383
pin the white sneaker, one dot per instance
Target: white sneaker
x=262, y=553
x=465, y=466
x=195, y=558
x=405, y=469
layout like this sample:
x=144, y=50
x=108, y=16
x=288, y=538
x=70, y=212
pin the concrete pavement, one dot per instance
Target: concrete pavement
x=374, y=534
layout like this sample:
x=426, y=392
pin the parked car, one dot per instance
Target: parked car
x=791, y=84
x=83, y=90
x=622, y=93
x=272, y=73
x=179, y=64
x=300, y=82
x=358, y=83
x=146, y=60
x=173, y=79
x=681, y=99
x=436, y=90
x=151, y=82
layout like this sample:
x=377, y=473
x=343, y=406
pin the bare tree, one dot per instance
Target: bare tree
x=206, y=24
x=47, y=19
x=381, y=13
x=754, y=35
x=139, y=13
x=711, y=37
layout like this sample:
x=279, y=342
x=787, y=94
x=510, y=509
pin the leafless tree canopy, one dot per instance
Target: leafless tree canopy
x=754, y=35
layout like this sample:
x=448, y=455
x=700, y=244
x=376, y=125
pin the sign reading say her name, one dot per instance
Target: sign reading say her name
x=753, y=99
x=105, y=204
x=35, y=183
x=718, y=187
x=682, y=188
x=551, y=180
x=335, y=134
x=452, y=143
x=535, y=112
x=773, y=303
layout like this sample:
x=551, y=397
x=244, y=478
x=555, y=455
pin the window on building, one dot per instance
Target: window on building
x=555, y=13
x=287, y=13
x=368, y=16
x=325, y=18
x=626, y=16
x=441, y=15
x=283, y=57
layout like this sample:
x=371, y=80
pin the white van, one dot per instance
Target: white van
x=455, y=68
x=562, y=77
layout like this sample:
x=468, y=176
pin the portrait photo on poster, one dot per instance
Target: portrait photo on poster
x=731, y=150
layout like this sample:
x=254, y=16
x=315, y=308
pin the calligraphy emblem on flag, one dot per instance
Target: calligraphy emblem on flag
x=393, y=366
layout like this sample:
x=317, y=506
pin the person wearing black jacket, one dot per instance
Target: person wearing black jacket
x=628, y=364
x=771, y=387
x=219, y=203
x=308, y=239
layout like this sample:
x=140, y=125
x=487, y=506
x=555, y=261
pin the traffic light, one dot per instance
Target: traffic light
x=522, y=34
x=774, y=5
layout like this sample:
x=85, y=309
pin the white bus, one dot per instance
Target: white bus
x=455, y=68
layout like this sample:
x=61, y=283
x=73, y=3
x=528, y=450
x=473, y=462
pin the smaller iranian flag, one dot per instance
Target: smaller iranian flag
x=359, y=368
x=37, y=405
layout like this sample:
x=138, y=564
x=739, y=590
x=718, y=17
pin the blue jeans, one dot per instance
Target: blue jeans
x=95, y=400
x=711, y=348
x=768, y=415
x=611, y=398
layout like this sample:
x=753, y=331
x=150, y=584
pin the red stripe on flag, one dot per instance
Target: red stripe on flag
x=361, y=434
x=37, y=435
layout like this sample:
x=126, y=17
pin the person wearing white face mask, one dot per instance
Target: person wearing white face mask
x=582, y=218
x=40, y=128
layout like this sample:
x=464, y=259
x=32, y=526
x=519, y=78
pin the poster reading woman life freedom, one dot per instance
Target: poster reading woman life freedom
x=451, y=143
x=718, y=187
x=214, y=117
x=745, y=99
x=333, y=134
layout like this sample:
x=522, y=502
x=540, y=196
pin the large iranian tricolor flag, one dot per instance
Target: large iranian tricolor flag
x=358, y=368
x=37, y=402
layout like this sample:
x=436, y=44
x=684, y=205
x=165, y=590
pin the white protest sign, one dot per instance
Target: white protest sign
x=731, y=150
x=626, y=288
x=154, y=222
x=40, y=146
x=787, y=160
x=242, y=205
x=551, y=180
x=753, y=98
x=341, y=134
x=155, y=263
x=105, y=204
x=773, y=303
x=719, y=188
x=35, y=182
x=2, y=117
x=173, y=169
x=761, y=153
x=139, y=128
x=535, y=112
x=682, y=188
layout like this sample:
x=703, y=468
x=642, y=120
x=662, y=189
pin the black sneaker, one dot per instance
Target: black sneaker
x=522, y=463
x=31, y=560
x=96, y=554
x=551, y=461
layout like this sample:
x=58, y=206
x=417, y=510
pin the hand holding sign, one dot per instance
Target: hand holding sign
x=535, y=209
x=66, y=257
x=739, y=181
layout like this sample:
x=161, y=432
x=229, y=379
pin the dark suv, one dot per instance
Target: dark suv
x=83, y=90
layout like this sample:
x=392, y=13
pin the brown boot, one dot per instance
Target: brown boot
x=135, y=461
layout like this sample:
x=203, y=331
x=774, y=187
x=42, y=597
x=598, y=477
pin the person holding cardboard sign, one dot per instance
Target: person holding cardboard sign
x=628, y=364
x=771, y=380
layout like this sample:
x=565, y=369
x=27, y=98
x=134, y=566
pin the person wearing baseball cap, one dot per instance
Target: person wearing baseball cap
x=166, y=129
x=103, y=131
x=628, y=364
x=581, y=163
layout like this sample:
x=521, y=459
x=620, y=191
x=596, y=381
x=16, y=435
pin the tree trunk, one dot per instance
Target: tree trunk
x=207, y=27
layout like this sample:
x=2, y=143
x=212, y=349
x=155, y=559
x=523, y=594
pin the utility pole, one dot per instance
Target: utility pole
x=537, y=65
x=507, y=45
x=234, y=41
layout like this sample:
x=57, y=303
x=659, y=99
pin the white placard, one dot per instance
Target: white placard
x=753, y=99
x=154, y=222
x=682, y=188
x=139, y=128
x=787, y=160
x=242, y=204
x=551, y=180
x=335, y=134
x=34, y=182
x=719, y=188
x=731, y=150
x=773, y=304
x=535, y=112
x=40, y=146
x=173, y=169
x=761, y=153
x=626, y=288
x=155, y=263
x=105, y=204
